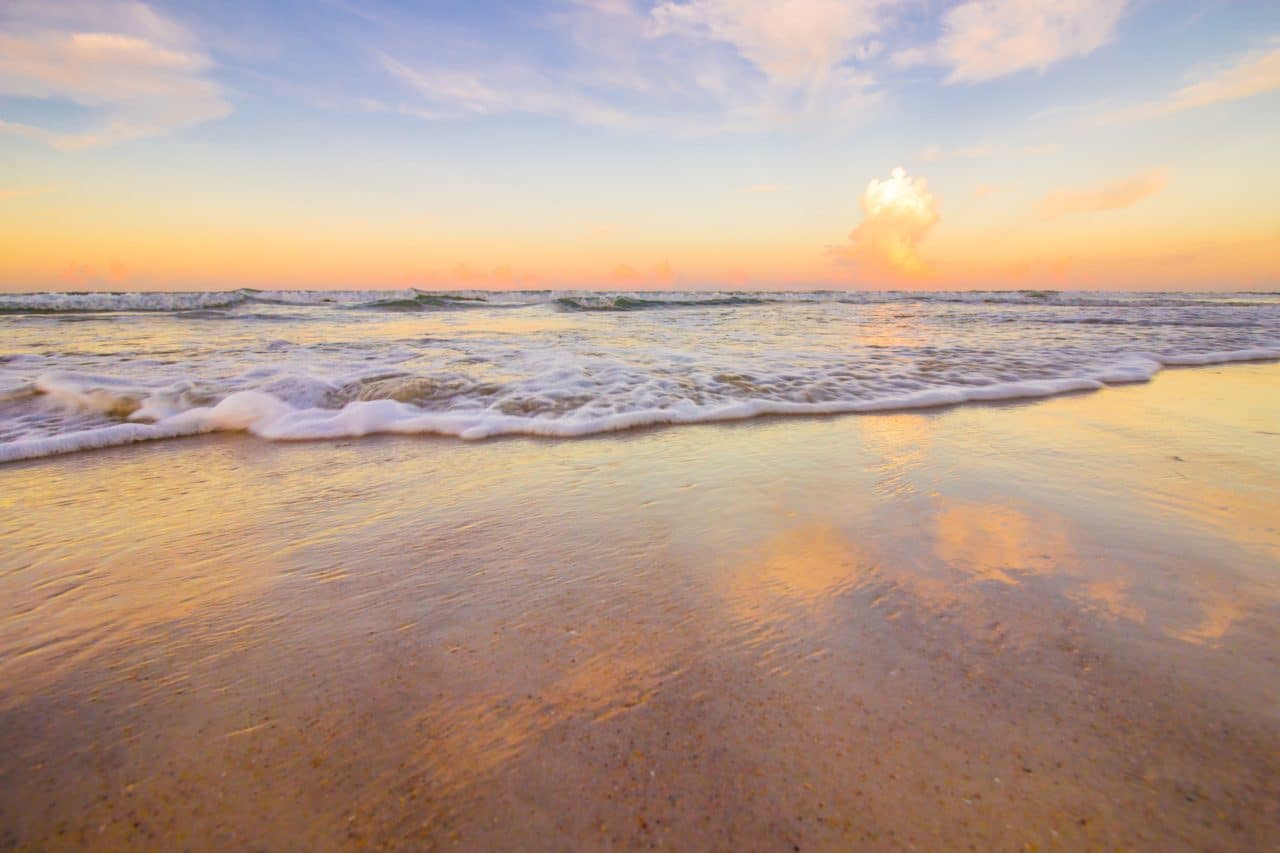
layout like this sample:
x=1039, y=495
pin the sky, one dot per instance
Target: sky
x=639, y=144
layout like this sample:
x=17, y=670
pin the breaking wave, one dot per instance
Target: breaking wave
x=412, y=299
x=424, y=302
x=116, y=368
x=461, y=407
x=616, y=302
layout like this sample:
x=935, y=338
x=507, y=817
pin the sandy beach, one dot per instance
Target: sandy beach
x=1042, y=625
x=699, y=425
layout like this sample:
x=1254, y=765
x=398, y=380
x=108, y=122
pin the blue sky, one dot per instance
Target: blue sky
x=681, y=142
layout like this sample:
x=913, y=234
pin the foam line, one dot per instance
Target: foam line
x=267, y=416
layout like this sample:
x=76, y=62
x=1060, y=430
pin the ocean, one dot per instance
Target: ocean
x=85, y=370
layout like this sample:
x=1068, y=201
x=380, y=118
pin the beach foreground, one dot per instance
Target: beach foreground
x=1013, y=626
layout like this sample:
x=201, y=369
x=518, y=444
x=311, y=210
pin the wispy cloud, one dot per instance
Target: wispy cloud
x=898, y=213
x=697, y=65
x=1243, y=76
x=986, y=39
x=1114, y=195
x=453, y=92
x=800, y=42
x=734, y=65
x=140, y=73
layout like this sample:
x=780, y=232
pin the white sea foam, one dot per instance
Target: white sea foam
x=572, y=365
x=268, y=417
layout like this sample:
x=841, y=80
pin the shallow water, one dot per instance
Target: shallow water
x=92, y=370
x=1048, y=623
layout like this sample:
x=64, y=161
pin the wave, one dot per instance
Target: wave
x=188, y=304
x=412, y=299
x=103, y=303
x=424, y=302
x=620, y=302
x=456, y=406
x=1081, y=299
x=1147, y=321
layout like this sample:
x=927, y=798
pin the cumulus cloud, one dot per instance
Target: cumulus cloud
x=898, y=213
x=1114, y=195
x=985, y=39
x=1242, y=77
x=138, y=73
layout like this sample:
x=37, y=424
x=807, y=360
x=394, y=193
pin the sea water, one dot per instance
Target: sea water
x=84, y=370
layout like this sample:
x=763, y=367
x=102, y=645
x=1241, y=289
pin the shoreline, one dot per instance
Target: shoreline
x=1036, y=622
x=259, y=419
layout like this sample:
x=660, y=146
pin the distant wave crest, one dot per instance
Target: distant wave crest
x=242, y=301
x=618, y=302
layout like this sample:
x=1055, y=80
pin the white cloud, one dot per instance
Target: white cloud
x=985, y=39
x=137, y=72
x=451, y=93
x=810, y=53
x=695, y=66
x=796, y=42
x=465, y=91
x=1242, y=77
x=898, y=213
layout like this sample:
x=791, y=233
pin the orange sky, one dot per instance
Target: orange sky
x=148, y=146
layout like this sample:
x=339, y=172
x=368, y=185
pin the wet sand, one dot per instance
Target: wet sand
x=1035, y=626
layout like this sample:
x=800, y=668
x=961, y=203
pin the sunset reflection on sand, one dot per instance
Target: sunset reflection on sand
x=609, y=640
